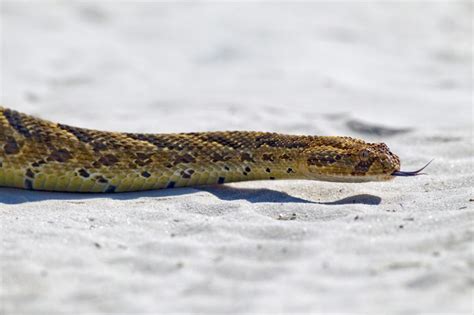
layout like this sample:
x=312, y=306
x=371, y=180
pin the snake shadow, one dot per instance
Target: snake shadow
x=13, y=196
x=263, y=195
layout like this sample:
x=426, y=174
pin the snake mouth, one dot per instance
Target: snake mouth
x=411, y=173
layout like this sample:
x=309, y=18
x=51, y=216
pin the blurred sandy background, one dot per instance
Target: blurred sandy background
x=398, y=72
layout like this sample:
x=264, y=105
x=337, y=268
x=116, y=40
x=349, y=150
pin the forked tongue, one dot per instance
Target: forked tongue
x=411, y=173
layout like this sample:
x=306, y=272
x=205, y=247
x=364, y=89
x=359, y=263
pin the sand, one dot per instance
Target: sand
x=393, y=72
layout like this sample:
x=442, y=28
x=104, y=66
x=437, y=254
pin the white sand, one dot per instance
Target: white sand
x=401, y=247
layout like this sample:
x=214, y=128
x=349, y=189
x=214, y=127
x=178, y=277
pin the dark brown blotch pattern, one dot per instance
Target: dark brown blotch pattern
x=38, y=163
x=285, y=157
x=29, y=173
x=218, y=157
x=108, y=160
x=246, y=157
x=15, y=120
x=81, y=134
x=99, y=145
x=101, y=179
x=279, y=141
x=221, y=139
x=186, y=174
x=82, y=172
x=363, y=167
x=321, y=160
x=143, y=159
x=186, y=158
x=171, y=142
x=268, y=157
x=11, y=147
x=60, y=155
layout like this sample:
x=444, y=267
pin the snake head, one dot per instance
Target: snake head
x=343, y=159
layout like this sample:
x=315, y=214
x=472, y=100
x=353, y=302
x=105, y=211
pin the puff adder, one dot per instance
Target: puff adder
x=41, y=155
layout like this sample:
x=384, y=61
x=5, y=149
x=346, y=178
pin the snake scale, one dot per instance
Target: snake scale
x=37, y=154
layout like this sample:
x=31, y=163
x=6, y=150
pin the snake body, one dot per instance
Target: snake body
x=41, y=155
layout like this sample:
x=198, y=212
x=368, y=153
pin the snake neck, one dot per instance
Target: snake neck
x=260, y=165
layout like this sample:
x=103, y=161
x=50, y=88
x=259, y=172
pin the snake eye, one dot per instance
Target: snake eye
x=364, y=155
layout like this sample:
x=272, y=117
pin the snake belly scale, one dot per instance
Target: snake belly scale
x=41, y=155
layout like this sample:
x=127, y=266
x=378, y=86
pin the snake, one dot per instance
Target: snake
x=38, y=154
